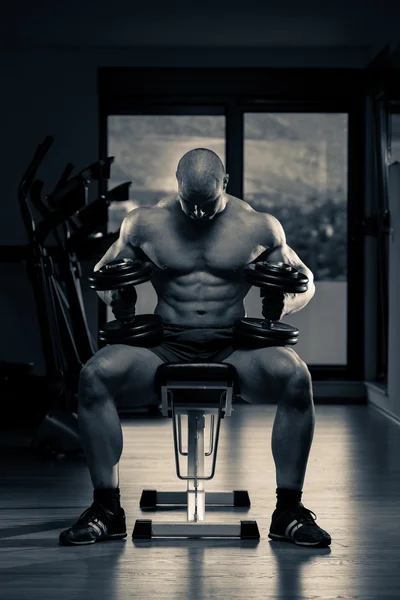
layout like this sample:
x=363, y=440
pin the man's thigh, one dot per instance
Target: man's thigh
x=127, y=372
x=264, y=372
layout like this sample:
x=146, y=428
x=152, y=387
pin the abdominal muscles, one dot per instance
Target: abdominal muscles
x=200, y=298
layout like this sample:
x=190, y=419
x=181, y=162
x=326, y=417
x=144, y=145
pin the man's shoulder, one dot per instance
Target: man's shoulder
x=237, y=204
x=145, y=221
x=145, y=215
x=168, y=202
x=241, y=207
x=264, y=222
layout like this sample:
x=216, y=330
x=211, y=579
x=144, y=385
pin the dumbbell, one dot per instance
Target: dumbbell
x=138, y=330
x=273, y=279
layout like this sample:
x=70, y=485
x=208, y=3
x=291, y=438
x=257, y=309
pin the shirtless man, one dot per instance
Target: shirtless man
x=199, y=240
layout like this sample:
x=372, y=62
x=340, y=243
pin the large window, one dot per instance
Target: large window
x=295, y=167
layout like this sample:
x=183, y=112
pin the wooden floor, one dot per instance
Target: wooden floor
x=352, y=484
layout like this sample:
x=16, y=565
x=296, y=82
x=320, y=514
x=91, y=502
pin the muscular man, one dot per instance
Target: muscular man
x=199, y=240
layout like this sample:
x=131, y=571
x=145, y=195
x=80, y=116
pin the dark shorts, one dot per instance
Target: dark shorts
x=184, y=343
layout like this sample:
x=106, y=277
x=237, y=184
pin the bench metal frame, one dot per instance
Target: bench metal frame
x=196, y=499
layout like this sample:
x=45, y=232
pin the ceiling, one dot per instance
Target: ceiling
x=250, y=24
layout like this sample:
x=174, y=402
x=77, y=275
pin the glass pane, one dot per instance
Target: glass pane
x=147, y=149
x=296, y=169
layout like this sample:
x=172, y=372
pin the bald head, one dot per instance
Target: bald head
x=201, y=182
x=200, y=173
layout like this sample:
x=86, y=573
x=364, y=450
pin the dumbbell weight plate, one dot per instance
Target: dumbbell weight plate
x=120, y=273
x=276, y=329
x=279, y=276
x=243, y=341
x=144, y=340
x=139, y=332
x=257, y=333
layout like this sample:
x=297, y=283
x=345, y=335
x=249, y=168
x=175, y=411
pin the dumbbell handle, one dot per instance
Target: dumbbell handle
x=128, y=291
x=266, y=295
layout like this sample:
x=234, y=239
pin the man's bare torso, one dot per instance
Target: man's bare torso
x=199, y=278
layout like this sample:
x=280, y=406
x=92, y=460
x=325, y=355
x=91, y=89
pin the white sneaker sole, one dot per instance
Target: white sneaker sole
x=114, y=536
x=286, y=538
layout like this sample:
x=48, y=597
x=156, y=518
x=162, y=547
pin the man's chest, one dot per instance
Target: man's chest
x=219, y=248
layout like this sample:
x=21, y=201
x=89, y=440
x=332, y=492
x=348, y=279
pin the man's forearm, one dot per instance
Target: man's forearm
x=295, y=302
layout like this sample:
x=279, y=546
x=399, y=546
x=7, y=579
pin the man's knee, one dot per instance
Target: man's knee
x=123, y=373
x=293, y=379
x=94, y=380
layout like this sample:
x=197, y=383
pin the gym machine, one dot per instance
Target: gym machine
x=55, y=276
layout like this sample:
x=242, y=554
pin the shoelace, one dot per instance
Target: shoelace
x=94, y=510
x=307, y=516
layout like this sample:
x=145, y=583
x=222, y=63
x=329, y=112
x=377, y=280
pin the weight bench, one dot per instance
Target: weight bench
x=196, y=391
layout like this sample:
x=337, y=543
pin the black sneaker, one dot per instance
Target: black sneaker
x=96, y=524
x=299, y=527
